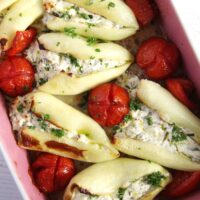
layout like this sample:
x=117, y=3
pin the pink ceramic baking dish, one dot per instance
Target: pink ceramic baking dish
x=177, y=22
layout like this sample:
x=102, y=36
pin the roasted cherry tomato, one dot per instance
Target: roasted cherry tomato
x=51, y=172
x=183, y=183
x=158, y=57
x=142, y=9
x=108, y=104
x=180, y=88
x=16, y=76
x=21, y=41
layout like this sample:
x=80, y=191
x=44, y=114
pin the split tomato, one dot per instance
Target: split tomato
x=51, y=172
x=16, y=76
x=108, y=104
x=158, y=57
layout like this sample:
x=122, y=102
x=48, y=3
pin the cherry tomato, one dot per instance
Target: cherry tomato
x=142, y=10
x=183, y=183
x=180, y=88
x=51, y=172
x=158, y=57
x=21, y=41
x=16, y=76
x=108, y=104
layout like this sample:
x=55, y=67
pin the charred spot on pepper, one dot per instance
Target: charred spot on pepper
x=64, y=147
x=28, y=141
x=3, y=42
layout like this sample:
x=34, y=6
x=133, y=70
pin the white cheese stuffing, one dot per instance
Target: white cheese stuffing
x=73, y=13
x=144, y=124
x=21, y=116
x=48, y=64
x=133, y=190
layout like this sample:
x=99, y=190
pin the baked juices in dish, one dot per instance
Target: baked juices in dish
x=98, y=97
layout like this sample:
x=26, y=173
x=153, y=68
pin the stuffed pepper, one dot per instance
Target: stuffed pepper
x=68, y=65
x=44, y=123
x=120, y=179
x=107, y=20
x=159, y=128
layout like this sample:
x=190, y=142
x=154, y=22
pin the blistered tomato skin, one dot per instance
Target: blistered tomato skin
x=108, y=104
x=142, y=9
x=181, y=88
x=21, y=41
x=51, y=172
x=158, y=57
x=16, y=76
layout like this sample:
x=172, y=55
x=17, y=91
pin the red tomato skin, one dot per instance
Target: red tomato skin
x=108, y=104
x=142, y=9
x=52, y=173
x=180, y=88
x=21, y=41
x=158, y=57
x=183, y=183
x=65, y=171
x=16, y=76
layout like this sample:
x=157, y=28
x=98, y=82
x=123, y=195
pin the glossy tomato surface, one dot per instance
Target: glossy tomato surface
x=16, y=76
x=158, y=58
x=108, y=104
x=51, y=172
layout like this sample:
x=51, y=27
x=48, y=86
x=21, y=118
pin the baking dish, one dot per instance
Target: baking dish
x=177, y=30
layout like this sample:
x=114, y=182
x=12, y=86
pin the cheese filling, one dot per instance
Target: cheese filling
x=48, y=64
x=22, y=117
x=144, y=124
x=72, y=13
x=132, y=190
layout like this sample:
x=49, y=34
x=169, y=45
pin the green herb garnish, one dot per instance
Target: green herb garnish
x=70, y=32
x=42, y=81
x=32, y=127
x=149, y=120
x=128, y=118
x=135, y=104
x=46, y=117
x=57, y=132
x=155, y=179
x=111, y=5
x=74, y=61
x=92, y=41
x=120, y=193
x=177, y=134
x=97, y=50
x=84, y=15
x=20, y=108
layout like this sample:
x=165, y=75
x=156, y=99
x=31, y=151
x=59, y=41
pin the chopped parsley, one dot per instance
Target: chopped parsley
x=149, y=120
x=177, y=134
x=128, y=118
x=20, y=108
x=111, y=5
x=90, y=25
x=97, y=50
x=155, y=179
x=70, y=31
x=117, y=128
x=26, y=88
x=20, y=14
x=85, y=16
x=42, y=123
x=57, y=44
x=120, y=193
x=84, y=100
x=74, y=61
x=46, y=116
x=135, y=104
x=58, y=132
x=42, y=81
x=32, y=127
x=92, y=41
